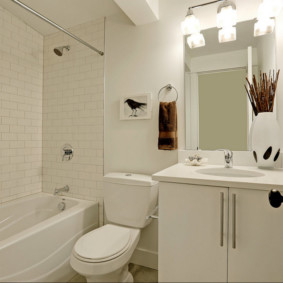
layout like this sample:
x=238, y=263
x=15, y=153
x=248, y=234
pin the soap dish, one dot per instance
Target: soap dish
x=195, y=160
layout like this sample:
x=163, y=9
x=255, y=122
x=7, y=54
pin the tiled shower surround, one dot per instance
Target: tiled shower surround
x=73, y=97
x=47, y=101
x=21, y=84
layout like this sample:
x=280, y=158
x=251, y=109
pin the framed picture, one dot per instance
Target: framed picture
x=135, y=107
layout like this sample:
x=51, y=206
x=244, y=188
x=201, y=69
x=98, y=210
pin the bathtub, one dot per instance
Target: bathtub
x=36, y=237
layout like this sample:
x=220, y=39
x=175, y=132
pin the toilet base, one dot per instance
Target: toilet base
x=120, y=275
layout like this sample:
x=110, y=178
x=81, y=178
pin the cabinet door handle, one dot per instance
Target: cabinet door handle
x=234, y=221
x=221, y=219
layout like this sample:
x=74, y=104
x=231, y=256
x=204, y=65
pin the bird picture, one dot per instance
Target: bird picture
x=135, y=106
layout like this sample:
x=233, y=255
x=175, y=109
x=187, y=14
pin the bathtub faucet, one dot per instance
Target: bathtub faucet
x=64, y=189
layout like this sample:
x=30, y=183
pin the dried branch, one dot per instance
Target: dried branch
x=262, y=94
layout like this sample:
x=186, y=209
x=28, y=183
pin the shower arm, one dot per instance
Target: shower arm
x=56, y=26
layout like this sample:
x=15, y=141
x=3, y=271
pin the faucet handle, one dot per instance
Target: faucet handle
x=64, y=189
x=228, y=156
x=226, y=151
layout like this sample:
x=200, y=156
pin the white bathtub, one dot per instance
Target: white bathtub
x=36, y=238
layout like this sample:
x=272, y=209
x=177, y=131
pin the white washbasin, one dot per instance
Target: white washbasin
x=229, y=172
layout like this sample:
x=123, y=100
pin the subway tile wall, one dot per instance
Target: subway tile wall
x=73, y=97
x=21, y=82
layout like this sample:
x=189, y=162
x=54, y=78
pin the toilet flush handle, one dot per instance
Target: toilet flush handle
x=153, y=216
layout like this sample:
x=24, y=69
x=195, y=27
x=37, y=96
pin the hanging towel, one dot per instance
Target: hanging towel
x=168, y=135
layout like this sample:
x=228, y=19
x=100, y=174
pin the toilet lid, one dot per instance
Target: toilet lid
x=104, y=242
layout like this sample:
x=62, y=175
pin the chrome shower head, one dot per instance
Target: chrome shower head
x=59, y=50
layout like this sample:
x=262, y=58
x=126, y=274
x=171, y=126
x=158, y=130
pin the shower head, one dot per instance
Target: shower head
x=59, y=50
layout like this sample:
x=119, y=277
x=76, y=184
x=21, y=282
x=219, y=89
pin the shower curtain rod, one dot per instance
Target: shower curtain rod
x=56, y=26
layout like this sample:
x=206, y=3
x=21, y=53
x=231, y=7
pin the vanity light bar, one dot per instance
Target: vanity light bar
x=205, y=4
x=191, y=24
x=226, y=19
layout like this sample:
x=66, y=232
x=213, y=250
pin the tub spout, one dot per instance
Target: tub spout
x=64, y=189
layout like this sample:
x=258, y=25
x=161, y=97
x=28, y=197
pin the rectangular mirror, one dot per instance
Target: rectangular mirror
x=218, y=113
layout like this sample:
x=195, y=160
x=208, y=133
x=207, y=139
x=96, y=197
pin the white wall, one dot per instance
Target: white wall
x=144, y=59
x=220, y=61
x=21, y=71
x=266, y=54
x=279, y=54
x=140, y=60
x=73, y=97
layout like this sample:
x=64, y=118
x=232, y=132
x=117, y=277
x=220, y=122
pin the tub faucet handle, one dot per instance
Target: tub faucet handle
x=64, y=189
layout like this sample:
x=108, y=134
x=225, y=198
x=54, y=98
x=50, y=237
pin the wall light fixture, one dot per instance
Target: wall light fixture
x=226, y=20
x=191, y=26
x=267, y=10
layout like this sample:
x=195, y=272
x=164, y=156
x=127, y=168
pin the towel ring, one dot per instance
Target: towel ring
x=168, y=88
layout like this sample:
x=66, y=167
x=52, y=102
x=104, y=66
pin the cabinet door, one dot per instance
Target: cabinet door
x=257, y=255
x=192, y=233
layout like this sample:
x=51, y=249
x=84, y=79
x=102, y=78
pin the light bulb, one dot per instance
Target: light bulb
x=190, y=25
x=196, y=40
x=273, y=7
x=227, y=16
x=227, y=34
x=264, y=26
x=264, y=11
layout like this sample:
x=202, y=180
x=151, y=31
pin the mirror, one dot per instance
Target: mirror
x=218, y=113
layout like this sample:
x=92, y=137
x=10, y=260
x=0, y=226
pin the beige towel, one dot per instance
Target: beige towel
x=168, y=135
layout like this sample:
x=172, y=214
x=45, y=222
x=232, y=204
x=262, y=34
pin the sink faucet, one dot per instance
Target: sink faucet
x=64, y=189
x=228, y=158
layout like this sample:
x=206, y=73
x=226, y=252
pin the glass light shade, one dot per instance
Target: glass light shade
x=196, y=40
x=277, y=6
x=227, y=34
x=190, y=25
x=264, y=11
x=272, y=7
x=264, y=26
x=226, y=17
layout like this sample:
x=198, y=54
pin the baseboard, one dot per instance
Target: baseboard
x=145, y=258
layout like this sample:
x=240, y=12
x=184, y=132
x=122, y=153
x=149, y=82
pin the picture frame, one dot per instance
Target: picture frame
x=136, y=107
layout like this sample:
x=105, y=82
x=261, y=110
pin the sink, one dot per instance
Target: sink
x=229, y=172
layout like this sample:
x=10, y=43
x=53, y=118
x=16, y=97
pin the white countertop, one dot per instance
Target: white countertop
x=181, y=173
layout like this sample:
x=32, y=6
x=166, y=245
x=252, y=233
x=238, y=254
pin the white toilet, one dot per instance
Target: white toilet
x=103, y=254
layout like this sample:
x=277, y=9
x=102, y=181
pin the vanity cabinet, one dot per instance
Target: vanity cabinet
x=258, y=254
x=218, y=234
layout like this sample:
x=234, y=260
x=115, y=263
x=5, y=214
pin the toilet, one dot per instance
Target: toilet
x=103, y=254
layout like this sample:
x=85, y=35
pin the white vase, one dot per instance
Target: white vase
x=265, y=135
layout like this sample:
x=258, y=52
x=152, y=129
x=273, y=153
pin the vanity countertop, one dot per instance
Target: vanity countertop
x=181, y=173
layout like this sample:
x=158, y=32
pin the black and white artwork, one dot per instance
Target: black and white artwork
x=135, y=107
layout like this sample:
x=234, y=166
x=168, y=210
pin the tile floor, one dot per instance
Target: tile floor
x=140, y=274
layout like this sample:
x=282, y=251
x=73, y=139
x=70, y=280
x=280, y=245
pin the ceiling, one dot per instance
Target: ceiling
x=66, y=13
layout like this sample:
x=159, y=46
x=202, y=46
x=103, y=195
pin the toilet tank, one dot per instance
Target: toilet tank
x=129, y=198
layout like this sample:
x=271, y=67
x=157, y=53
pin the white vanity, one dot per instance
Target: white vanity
x=215, y=227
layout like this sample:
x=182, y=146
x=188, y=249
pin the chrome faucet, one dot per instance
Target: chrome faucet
x=228, y=157
x=64, y=189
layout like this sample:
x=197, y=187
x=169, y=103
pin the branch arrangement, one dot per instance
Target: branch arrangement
x=262, y=94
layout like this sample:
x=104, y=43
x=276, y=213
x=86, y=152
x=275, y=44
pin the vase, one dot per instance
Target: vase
x=265, y=139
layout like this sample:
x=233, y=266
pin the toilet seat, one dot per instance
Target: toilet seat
x=92, y=246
